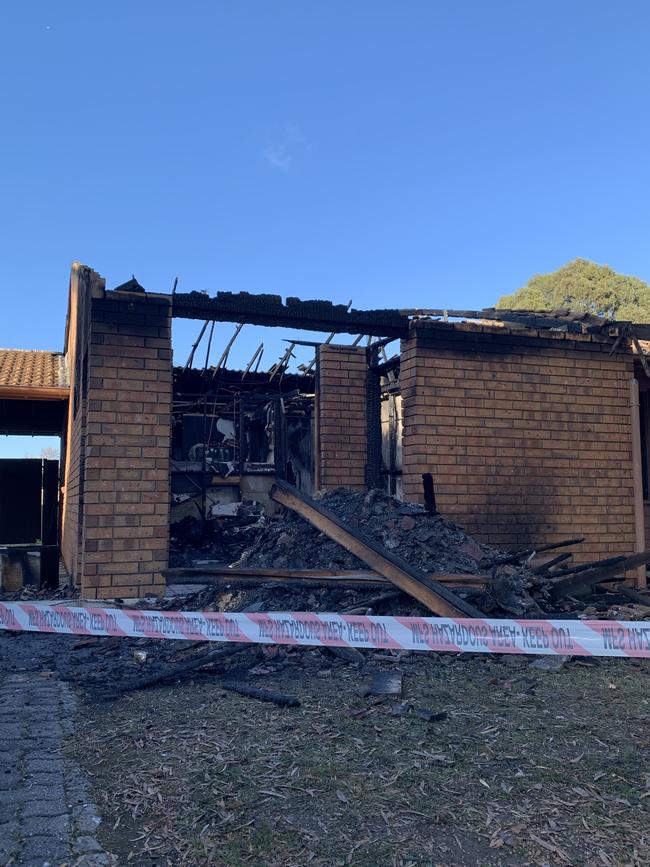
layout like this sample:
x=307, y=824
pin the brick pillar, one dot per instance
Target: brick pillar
x=341, y=417
x=127, y=453
x=417, y=446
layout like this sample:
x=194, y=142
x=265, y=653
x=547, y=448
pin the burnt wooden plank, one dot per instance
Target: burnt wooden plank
x=280, y=698
x=590, y=564
x=515, y=557
x=544, y=567
x=582, y=582
x=348, y=579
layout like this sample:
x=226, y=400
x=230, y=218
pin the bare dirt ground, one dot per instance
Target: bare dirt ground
x=527, y=766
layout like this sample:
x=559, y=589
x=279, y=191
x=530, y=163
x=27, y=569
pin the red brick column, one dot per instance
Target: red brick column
x=341, y=417
x=127, y=450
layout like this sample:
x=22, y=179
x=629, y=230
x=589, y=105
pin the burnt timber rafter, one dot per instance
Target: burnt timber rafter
x=270, y=310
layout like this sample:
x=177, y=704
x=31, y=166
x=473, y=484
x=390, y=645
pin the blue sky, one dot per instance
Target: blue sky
x=392, y=153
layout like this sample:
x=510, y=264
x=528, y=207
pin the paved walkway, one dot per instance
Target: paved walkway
x=46, y=817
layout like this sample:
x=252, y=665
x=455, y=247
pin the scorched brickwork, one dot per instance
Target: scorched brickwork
x=528, y=438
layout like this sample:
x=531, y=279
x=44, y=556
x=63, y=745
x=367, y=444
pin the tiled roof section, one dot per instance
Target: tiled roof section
x=32, y=368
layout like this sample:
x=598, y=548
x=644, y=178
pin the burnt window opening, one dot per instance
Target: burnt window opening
x=233, y=435
x=259, y=428
x=391, y=435
x=199, y=437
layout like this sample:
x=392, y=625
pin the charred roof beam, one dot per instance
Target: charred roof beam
x=270, y=310
x=572, y=322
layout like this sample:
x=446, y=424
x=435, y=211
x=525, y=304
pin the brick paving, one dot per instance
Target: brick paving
x=46, y=816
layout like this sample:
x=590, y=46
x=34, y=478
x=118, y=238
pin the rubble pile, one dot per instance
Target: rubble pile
x=428, y=541
x=425, y=540
x=510, y=585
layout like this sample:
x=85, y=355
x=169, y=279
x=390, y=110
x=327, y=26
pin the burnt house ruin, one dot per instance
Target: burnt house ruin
x=533, y=426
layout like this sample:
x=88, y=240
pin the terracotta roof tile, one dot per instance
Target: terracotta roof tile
x=32, y=368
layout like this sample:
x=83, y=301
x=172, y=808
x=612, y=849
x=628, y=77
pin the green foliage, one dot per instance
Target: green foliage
x=584, y=286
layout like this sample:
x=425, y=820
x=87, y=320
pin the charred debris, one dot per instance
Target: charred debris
x=301, y=558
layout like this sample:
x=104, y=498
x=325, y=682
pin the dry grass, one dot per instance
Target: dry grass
x=529, y=767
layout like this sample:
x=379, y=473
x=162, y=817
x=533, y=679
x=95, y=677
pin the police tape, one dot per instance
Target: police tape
x=456, y=635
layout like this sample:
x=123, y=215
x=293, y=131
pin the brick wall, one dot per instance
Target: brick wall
x=528, y=438
x=341, y=417
x=127, y=446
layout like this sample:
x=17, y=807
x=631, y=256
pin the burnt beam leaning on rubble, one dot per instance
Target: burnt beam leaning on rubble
x=246, y=308
x=582, y=582
x=549, y=564
x=413, y=581
x=518, y=556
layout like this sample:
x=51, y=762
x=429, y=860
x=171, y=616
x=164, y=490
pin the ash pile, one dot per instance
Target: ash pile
x=425, y=540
